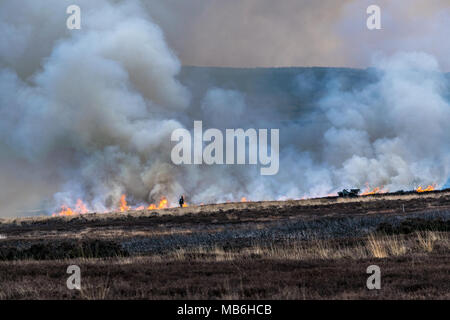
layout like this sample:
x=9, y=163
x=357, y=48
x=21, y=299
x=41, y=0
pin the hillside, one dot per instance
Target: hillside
x=275, y=249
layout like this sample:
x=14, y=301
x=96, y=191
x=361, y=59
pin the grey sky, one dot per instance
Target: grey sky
x=252, y=33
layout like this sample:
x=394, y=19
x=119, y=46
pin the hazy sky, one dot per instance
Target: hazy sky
x=87, y=114
x=251, y=33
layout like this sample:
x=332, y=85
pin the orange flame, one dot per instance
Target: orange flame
x=243, y=199
x=377, y=190
x=80, y=208
x=123, y=204
x=65, y=211
x=163, y=204
x=427, y=189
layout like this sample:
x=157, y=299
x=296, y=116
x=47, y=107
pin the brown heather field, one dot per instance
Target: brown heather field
x=302, y=249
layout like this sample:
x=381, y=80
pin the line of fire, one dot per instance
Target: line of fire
x=164, y=203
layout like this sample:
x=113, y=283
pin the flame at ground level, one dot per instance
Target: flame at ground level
x=81, y=208
x=123, y=204
x=163, y=204
x=427, y=189
x=377, y=190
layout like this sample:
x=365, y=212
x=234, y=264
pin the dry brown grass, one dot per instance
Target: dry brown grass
x=375, y=246
x=246, y=273
x=95, y=291
x=384, y=246
x=244, y=278
x=396, y=245
x=310, y=250
x=427, y=240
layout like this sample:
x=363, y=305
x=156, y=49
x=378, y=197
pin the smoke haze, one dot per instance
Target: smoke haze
x=266, y=33
x=87, y=114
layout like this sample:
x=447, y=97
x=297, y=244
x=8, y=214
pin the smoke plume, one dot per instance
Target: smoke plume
x=87, y=114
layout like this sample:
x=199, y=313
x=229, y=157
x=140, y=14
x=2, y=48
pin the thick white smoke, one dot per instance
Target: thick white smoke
x=394, y=132
x=88, y=114
x=93, y=106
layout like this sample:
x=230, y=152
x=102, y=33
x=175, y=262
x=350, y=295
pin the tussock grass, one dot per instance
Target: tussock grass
x=428, y=239
x=97, y=291
x=386, y=246
x=374, y=246
x=396, y=246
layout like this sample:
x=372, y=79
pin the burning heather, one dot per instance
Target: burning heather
x=80, y=208
x=369, y=191
x=429, y=188
x=122, y=207
x=89, y=115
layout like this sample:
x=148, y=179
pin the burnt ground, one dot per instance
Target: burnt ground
x=224, y=251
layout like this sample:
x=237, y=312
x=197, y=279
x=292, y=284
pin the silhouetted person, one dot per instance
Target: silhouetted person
x=181, y=201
